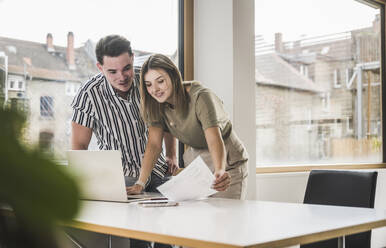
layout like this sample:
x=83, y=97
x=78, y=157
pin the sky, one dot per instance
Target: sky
x=150, y=25
x=310, y=18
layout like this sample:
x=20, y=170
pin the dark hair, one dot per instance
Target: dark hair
x=151, y=109
x=112, y=46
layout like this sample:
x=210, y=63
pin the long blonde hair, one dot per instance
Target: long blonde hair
x=151, y=109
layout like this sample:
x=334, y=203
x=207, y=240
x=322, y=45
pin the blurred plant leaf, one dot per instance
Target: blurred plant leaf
x=39, y=191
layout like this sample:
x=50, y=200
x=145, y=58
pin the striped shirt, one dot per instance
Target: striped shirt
x=116, y=122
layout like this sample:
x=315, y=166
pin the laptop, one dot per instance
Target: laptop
x=100, y=176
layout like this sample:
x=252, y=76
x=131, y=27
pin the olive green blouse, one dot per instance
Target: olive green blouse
x=205, y=110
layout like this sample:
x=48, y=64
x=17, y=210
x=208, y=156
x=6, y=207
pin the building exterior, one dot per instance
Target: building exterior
x=42, y=80
x=313, y=102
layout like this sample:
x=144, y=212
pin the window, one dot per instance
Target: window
x=45, y=141
x=46, y=106
x=40, y=64
x=337, y=79
x=16, y=83
x=338, y=104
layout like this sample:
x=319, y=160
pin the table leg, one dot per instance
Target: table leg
x=341, y=242
x=74, y=241
x=109, y=244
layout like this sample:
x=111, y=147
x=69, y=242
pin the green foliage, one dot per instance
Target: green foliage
x=376, y=144
x=39, y=191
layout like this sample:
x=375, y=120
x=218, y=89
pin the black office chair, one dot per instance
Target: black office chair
x=342, y=188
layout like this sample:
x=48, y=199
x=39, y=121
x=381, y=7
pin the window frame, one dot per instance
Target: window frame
x=188, y=12
x=185, y=51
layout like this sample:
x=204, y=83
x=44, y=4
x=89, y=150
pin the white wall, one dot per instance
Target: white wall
x=290, y=187
x=224, y=61
x=213, y=47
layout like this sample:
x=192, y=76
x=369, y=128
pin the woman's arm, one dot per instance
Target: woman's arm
x=152, y=152
x=217, y=151
x=171, y=152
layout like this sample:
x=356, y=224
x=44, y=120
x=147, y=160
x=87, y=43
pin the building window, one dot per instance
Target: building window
x=46, y=106
x=16, y=83
x=45, y=141
x=337, y=79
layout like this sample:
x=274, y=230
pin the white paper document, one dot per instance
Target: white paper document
x=193, y=182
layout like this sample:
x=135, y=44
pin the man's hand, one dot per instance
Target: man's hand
x=134, y=190
x=222, y=181
x=172, y=165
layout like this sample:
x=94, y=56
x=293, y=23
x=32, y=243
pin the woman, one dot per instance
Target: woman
x=195, y=116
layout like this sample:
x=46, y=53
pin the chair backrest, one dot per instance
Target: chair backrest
x=342, y=188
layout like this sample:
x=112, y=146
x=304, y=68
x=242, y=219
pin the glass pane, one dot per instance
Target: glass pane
x=318, y=92
x=53, y=52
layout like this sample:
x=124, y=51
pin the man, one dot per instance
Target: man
x=108, y=105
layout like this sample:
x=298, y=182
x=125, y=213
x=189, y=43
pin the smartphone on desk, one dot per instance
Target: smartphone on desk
x=157, y=203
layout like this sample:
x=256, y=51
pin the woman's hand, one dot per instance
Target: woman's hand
x=134, y=190
x=222, y=181
x=217, y=151
x=172, y=165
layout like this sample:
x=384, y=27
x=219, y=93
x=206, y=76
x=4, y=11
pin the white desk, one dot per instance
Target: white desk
x=227, y=223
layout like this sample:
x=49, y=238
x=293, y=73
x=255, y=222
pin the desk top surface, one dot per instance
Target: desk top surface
x=218, y=222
